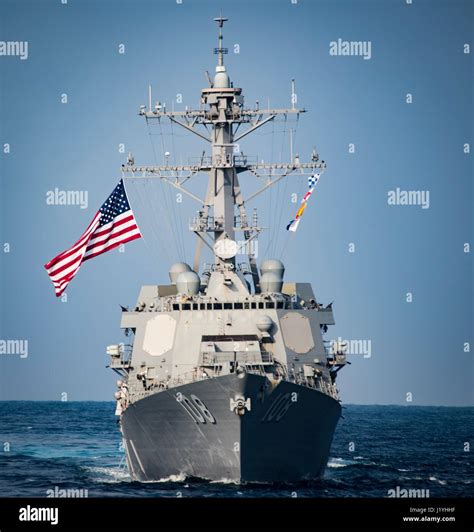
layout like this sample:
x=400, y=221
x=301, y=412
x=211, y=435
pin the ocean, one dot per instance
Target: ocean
x=50, y=447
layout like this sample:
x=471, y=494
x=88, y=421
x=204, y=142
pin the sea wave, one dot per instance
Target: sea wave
x=357, y=461
x=434, y=479
x=107, y=475
x=224, y=481
x=340, y=462
x=79, y=447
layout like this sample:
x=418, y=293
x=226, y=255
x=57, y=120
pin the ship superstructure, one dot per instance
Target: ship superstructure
x=228, y=375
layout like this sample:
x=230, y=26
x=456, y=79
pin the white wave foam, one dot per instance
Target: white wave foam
x=434, y=479
x=224, y=481
x=181, y=477
x=108, y=474
x=340, y=462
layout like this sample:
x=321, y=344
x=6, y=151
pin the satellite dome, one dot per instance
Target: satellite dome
x=221, y=79
x=273, y=266
x=264, y=323
x=271, y=282
x=188, y=283
x=176, y=269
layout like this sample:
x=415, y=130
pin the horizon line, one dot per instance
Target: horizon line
x=342, y=404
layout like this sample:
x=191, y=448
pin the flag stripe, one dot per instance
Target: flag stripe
x=75, y=246
x=66, y=269
x=114, y=245
x=116, y=238
x=60, y=287
x=68, y=262
x=119, y=229
x=64, y=281
x=104, y=229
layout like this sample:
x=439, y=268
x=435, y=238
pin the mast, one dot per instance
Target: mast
x=223, y=210
x=223, y=179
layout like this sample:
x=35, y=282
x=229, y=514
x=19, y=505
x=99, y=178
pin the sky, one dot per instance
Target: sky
x=397, y=118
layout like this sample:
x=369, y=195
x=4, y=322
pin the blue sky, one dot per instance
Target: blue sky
x=416, y=49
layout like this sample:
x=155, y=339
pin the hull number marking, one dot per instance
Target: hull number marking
x=280, y=407
x=195, y=408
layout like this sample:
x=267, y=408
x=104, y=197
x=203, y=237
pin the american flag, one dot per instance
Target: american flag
x=114, y=224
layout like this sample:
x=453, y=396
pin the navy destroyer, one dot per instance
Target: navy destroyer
x=228, y=376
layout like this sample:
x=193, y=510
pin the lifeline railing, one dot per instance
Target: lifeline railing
x=200, y=374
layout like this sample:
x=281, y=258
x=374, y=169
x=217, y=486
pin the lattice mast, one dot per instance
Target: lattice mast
x=223, y=210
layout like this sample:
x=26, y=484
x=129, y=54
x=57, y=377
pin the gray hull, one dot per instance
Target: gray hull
x=191, y=430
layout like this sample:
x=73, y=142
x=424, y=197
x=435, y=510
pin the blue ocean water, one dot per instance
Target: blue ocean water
x=76, y=445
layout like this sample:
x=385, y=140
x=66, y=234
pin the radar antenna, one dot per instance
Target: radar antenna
x=223, y=211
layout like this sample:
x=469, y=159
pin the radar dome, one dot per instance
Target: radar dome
x=271, y=282
x=188, y=283
x=176, y=269
x=264, y=323
x=221, y=79
x=272, y=266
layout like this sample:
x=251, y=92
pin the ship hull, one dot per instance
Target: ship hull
x=191, y=430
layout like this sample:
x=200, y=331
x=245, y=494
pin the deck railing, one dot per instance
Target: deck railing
x=200, y=374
